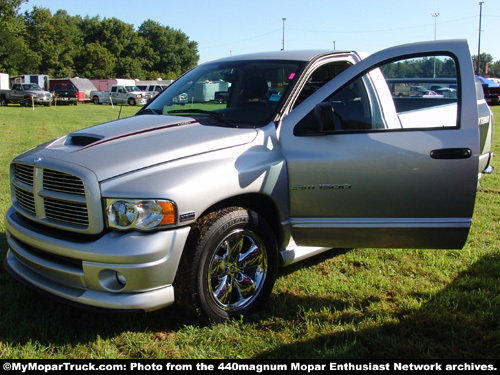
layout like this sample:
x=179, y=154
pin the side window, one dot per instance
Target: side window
x=407, y=94
x=319, y=77
x=351, y=108
x=424, y=92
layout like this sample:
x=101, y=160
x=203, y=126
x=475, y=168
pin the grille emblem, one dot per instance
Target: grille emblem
x=37, y=160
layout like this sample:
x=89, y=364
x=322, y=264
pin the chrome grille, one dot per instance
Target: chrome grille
x=74, y=213
x=50, y=196
x=24, y=174
x=62, y=183
x=26, y=200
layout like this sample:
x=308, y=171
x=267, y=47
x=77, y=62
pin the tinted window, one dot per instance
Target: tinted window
x=244, y=92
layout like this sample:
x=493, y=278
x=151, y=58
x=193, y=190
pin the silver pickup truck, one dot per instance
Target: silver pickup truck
x=120, y=94
x=309, y=151
x=26, y=94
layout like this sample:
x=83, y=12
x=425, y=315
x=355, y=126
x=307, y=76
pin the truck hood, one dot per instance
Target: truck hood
x=37, y=92
x=137, y=142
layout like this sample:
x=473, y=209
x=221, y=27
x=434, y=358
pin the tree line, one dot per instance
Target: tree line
x=438, y=67
x=61, y=45
x=427, y=67
x=486, y=65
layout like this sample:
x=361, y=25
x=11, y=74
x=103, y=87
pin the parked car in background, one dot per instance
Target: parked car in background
x=26, y=94
x=446, y=92
x=83, y=86
x=153, y=89
x=491, y=90
x=119, y=94
x=419, y=91
x=65, y=94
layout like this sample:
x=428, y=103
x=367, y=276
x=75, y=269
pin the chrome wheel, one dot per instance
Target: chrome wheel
x=237, y=270
x=229, y=265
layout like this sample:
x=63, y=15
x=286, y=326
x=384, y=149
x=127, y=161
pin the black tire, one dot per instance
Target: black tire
x=228, y=267
x=131, y=102
x=95, y=99
x=3, y=101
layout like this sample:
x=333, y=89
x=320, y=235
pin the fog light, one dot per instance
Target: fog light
x=121, y=279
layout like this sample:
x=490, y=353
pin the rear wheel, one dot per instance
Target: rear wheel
x=229, y=265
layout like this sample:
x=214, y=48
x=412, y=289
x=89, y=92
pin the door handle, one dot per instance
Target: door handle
x=451, y=153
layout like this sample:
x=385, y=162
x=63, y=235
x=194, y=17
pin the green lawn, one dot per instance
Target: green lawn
x=358, y=303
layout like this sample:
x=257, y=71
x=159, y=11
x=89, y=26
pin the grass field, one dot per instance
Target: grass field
x=358, y=303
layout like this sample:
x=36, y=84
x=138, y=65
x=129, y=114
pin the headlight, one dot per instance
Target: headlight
x=139, y=214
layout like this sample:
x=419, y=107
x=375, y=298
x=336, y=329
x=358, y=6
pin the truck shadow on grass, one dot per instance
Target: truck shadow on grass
x=27, y=316
x=460, y=322
x=30, y=317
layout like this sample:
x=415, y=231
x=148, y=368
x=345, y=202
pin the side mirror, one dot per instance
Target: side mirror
x=326, y=119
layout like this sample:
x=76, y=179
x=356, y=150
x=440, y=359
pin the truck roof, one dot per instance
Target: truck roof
x=293, y=55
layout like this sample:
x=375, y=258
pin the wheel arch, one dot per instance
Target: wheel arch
x=259, y=203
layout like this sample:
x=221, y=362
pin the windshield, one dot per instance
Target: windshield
x=68, y=87
x=31, y=86
x=132, y=88
x=240, y=92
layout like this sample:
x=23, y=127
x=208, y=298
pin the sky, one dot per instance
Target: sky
x=232, y=27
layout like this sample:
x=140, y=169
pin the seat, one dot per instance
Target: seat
x=255, y=89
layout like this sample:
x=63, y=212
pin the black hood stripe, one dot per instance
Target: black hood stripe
x=139, y=132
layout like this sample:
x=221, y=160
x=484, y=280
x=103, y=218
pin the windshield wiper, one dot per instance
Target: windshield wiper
x=215, y=115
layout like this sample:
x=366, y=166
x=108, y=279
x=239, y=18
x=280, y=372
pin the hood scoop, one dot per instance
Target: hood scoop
x=82, y=139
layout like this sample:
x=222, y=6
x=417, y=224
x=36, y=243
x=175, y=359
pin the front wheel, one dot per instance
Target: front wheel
x=229, y=265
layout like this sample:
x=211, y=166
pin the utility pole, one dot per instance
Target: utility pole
x=283, y=43
x=479, y=42
x=435, y=16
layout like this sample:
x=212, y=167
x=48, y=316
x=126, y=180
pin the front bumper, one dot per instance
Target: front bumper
x=43, y=100
x=65, y=99
x=117, y=271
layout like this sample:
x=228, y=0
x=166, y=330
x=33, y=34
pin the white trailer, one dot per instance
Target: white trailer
x=105, y=84
x=4, y=81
